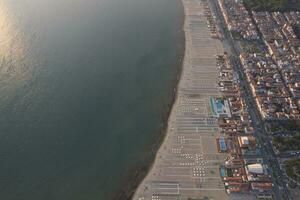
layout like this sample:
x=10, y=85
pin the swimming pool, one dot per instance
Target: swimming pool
x=222, y=144
x=212, y=106
x=219, y=105
x=222, y=172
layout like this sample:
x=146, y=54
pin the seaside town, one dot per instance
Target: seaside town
x=267, y=50
x=267, y=63
x=250, y=109
x=240, y=172
x=244, y=170
x=273, y=72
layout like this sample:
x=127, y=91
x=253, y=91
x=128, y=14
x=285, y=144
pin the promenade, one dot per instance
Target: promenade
x=187, y=163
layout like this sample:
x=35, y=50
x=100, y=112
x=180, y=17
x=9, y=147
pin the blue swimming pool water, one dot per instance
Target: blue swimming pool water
x=222, y=172
x=222, y=144
x=219, y=105
x=212, y=106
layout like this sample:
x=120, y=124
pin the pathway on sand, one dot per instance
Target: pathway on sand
x=187, y=163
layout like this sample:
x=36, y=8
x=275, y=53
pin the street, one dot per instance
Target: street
x=280, y=188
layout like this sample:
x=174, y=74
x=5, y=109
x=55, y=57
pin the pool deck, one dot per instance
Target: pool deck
x=187, y=165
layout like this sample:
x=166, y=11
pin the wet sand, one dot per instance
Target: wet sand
x=187, y=163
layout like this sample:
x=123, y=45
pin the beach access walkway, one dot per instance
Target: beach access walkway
x=187, y=165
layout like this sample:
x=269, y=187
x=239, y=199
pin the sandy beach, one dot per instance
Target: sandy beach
x=187, y=163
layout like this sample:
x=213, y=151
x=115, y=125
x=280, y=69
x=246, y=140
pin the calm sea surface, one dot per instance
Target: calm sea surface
x=83, y=88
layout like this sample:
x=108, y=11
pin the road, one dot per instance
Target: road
x=280, y=188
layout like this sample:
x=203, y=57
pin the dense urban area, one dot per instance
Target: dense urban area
x=259, y=110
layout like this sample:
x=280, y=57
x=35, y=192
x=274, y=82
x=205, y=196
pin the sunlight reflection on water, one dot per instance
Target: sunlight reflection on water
x=15, y=63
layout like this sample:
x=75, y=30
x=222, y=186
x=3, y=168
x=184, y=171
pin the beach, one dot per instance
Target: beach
x=187, y=163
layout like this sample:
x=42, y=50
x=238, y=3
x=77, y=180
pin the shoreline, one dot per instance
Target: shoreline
x=166, y=175
x=139, y=173
x=164, y=132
